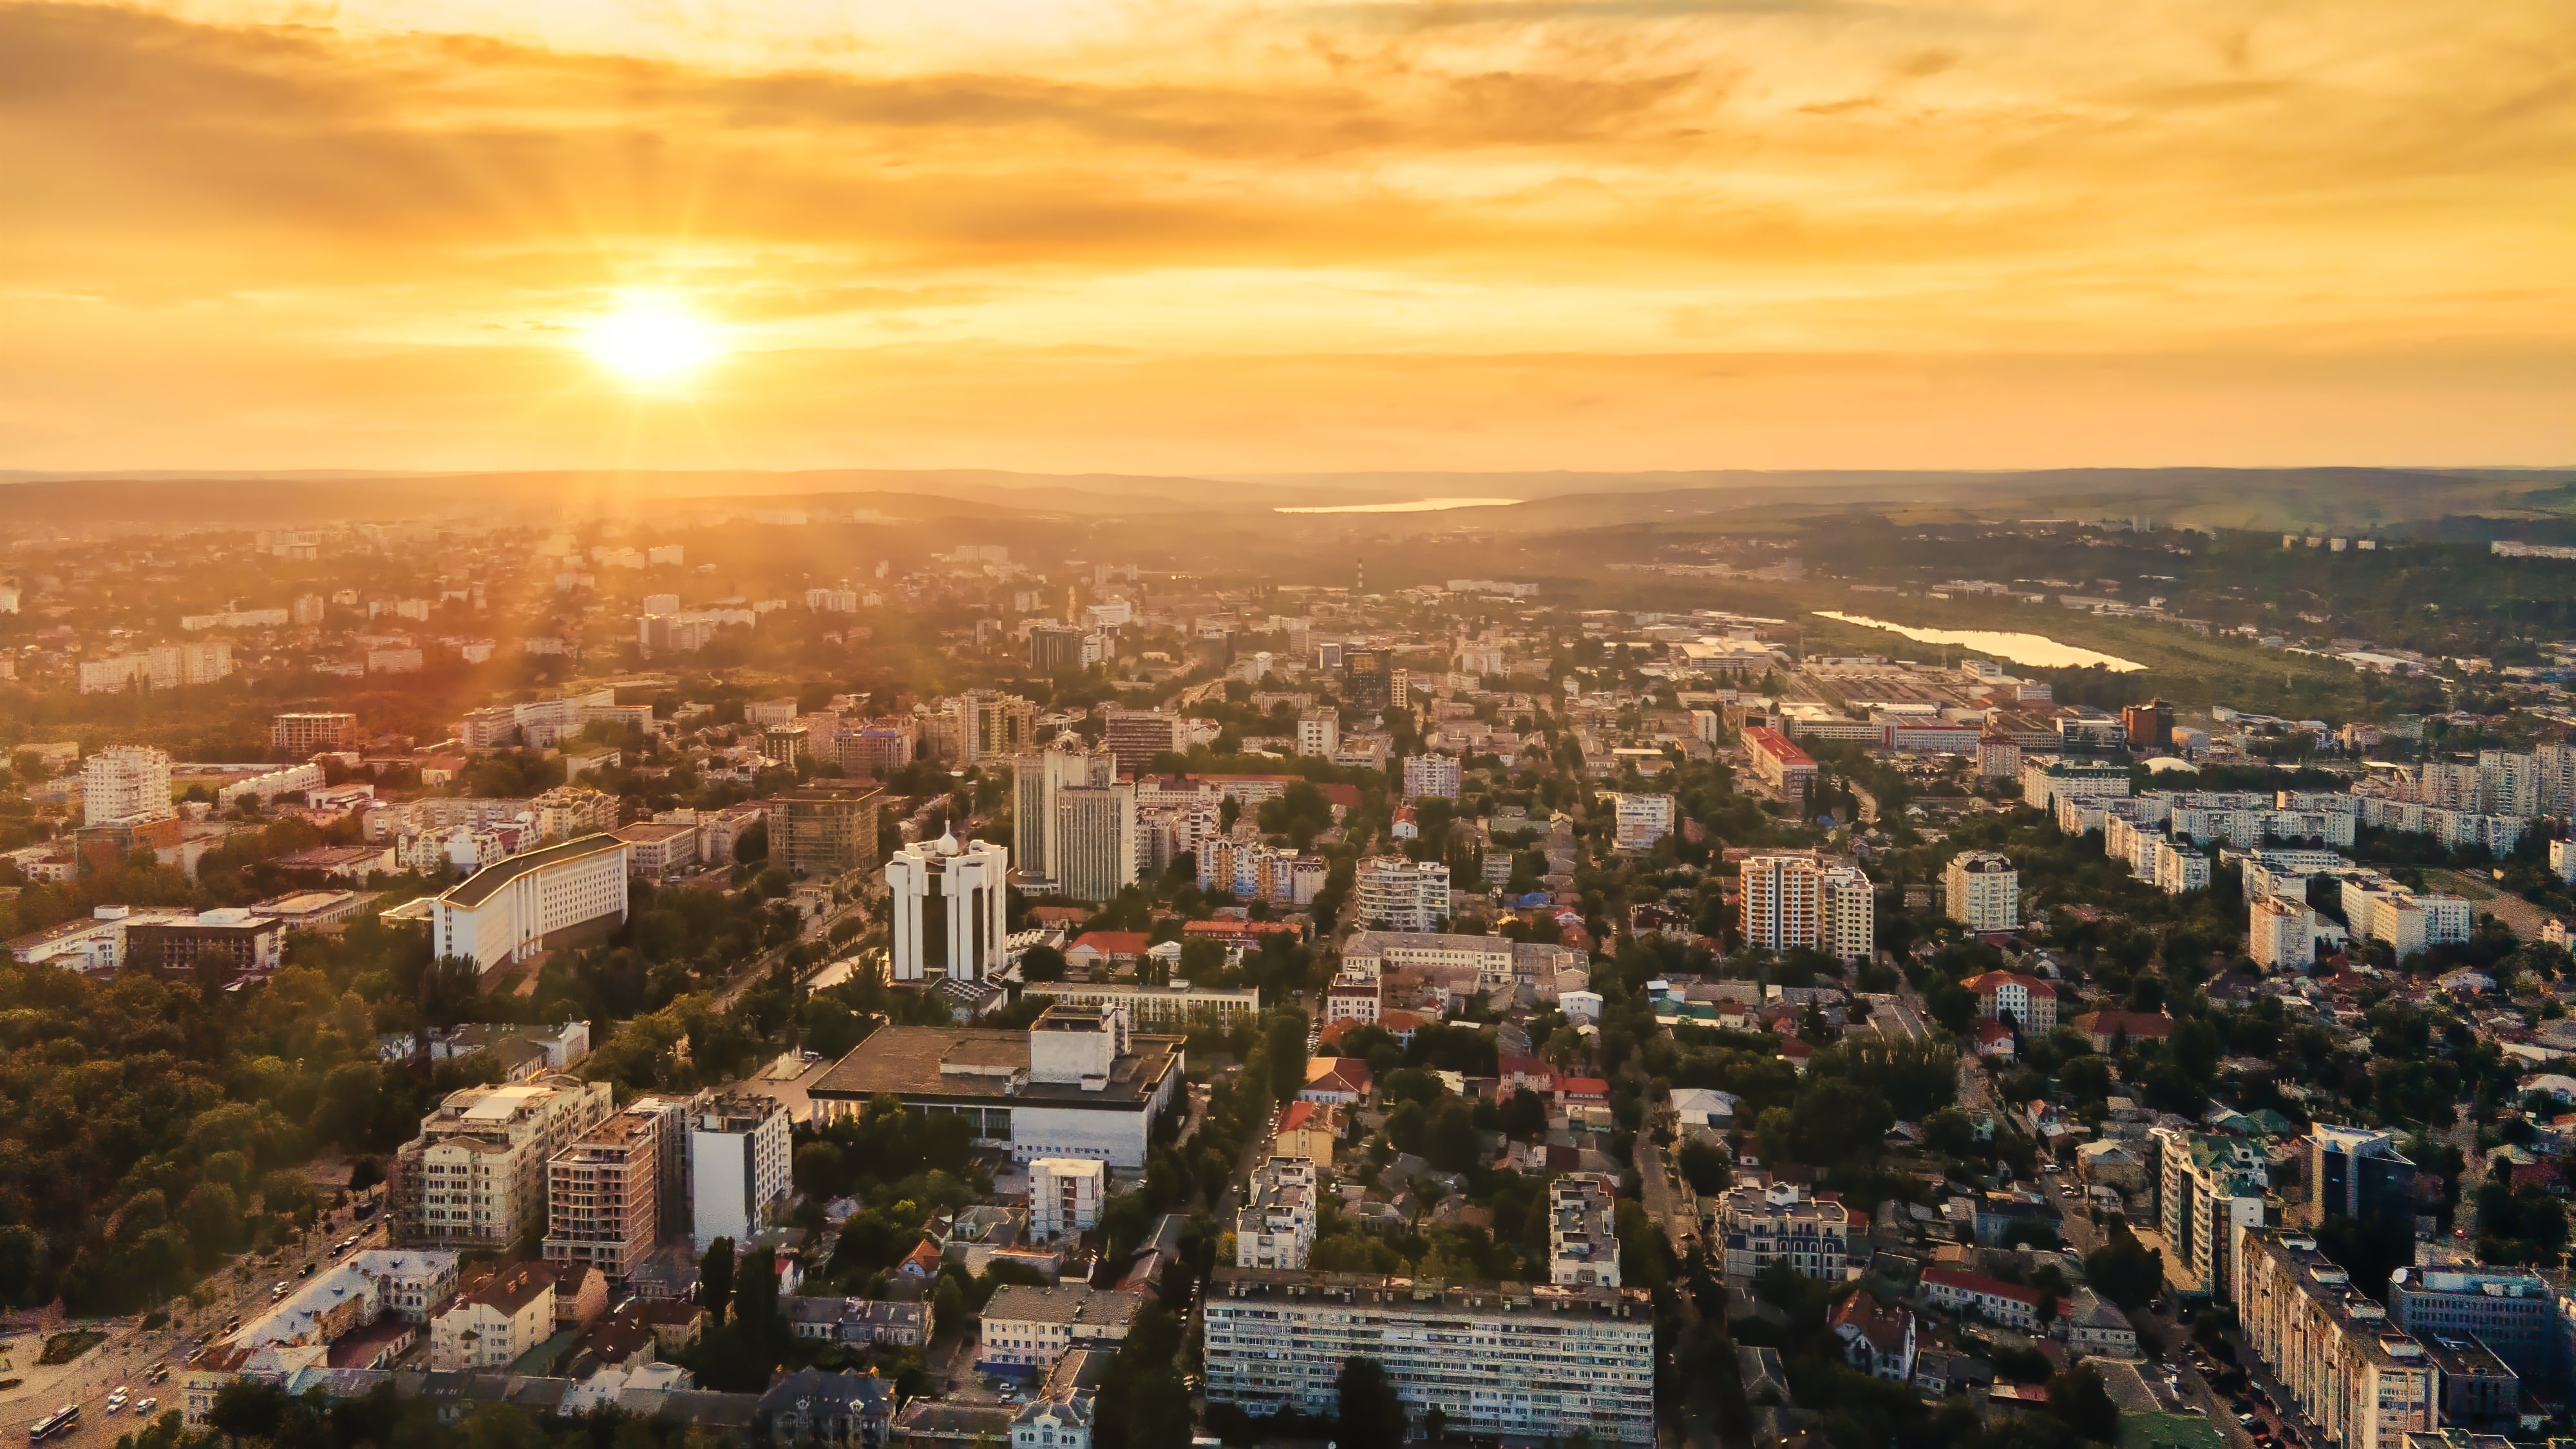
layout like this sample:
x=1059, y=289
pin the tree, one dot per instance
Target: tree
x=1372, y=1417
x=1042, y=963
x=715, y=1279
x=2125, y=1270
x=1283, y=1042
x=2079, y=1401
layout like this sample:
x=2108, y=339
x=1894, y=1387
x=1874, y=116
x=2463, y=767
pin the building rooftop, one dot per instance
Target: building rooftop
x=1520, y=1300
x=983, y=1065
x=1061, y=1303
x=479, y=887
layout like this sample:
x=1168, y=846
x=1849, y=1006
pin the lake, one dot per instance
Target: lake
x=2036, y=650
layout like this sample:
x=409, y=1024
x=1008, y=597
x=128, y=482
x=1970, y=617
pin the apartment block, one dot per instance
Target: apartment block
x=2511, y=1310
x=2028, y=1000
x=1638, y=821
x=2210, y=1188
x=824, y=829
x=2364, y=1381
x=2281, y=933
x=476, y=1177
x=1780, y=1223
x=1396, y=894
x=301, y=736
x=603, y=1197
x=1982, y=890
x=1275, y=1227
x=125, y=782
x=1501, y=1361
x=1433, y=775
x=1065, y=1195
x=739, y=1148
x=1582, y=1231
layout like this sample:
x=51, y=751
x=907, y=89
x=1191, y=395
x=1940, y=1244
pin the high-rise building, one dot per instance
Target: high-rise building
x=1038, y=777
x=2282, y=933
x=1640, y=820
x=1368, y=681
x=1319, y=733
x=1094, y=849
x=125, y=783
x=823, y=827
x=476, y=1177
x=950, y=907
x=2510, y=783
x=1396, y=894
x=1065, y=1194
x=1983, y=891
x=991, y=725
x=2358, y=1172
x=603, y=1197
x=1135, y=736
x=1998, y=758
x=2150, y=723
x=1791, y=899
x=879, y=747
x=1055, y=649
x=301, y=736
x=1522, y=1364
x=2209, y=1189
x=1433, y=775
x=2556, y=766
x=2513, y=1311
x=739, y=1147
x=2361, y=1380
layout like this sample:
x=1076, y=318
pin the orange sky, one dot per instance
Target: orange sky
x=1367, y=234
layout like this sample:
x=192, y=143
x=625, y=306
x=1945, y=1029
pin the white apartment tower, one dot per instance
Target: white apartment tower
x=739, y=1148
x=1036, y=778
x=950, y=906
x=125, y=782
x=1095, y=840
x=1791, y=899
x=1435, y=775
x=1984, y=891
x=1407, y=895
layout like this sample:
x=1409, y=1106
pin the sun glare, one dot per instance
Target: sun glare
x=652, y=341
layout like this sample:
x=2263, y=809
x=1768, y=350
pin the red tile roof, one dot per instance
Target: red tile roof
x=1112, y=943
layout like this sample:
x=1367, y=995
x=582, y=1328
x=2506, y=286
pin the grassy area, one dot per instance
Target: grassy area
x=71, y=1344
x=2169, y=1431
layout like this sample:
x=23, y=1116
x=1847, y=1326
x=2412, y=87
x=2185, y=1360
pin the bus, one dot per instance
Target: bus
x=60, y=1421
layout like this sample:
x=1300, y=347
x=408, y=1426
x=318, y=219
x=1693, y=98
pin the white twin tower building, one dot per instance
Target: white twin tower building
x=950, y=909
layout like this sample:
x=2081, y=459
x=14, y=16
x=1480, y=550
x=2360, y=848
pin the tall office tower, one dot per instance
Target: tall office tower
x=1037, y=778
x=1368, y=680
x=950, y=904
x=2358, y=1172
x=1136, y=736
x=125, y=782
x=1095, y=840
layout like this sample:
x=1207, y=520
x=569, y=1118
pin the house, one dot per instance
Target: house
x=814, y=1407
x=2106, y=1028
x=1796, y=1053
x=1992, y=1039
x=1093, y=949
x=1877, y=1339
x=1974, y=1294
x=1585, y=1091
x=2027, y=1000
x=1308, y=1130
x=922, y=1263
x=1336, y=1081
x=2095, y=1327
x=496, y=1321
x=1704, y=1106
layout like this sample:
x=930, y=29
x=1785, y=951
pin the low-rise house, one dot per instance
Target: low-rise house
x=1877, y=1339
x=495, y=1321
x=2094, y=1326
x=1976, y=1295
x=858, y=1320
x=814, y=1407
x=1025, y=1329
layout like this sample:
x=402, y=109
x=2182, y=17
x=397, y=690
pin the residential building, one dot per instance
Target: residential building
x=1396, y=894
x=1093, y=852
x=1877, y=1339
x=1640, y=820
x=2028, y=1000
x=1790, y=899
x=658, y=850
x=813, y=1406
x=2210, y=1188
x=172, y=944
x=555, y=896
x=859, y=1322
x=349, y=1297
x=1310, y=1130
x=1063, y=1411
x=739, y=1150
x=1319, y=733
x=824, y=829
x=2512, y=1310
x=2045, y=782
x=949, y=908
x=1065, y=1195
x=2281, y=933
x=2363, y=1381
x=1978, y=1296
x=1998, y=758
x=1026, y=1329
x=303, y=735
x=2148, y=725
x=476, y=1176
x=1432, y=775
x=1076, y=1084
x=603, y=1197
x=1778, y=763
x=1176, y=1006
x=1762, y=1224
x=2358, y=1172
x=2096, y=1328
x=494, y=1322
x=1500, y=1361
x=1275, y=1227
x=1583, y=1231
x=2180, y=868
x=1982, y=890
x=124, y=783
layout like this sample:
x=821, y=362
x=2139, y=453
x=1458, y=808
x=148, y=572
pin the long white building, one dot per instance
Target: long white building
x=1521, y=1363
x=509, y=911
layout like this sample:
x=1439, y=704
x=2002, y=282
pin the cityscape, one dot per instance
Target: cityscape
x=1044, y=724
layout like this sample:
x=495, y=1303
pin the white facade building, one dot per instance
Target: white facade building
x=509, y=911
x=1641, y=820
x=1275, y=1228
x=1065, y=1195
x=125, y=782
x=950, y=907
x=1984, y=891
x=1435, y=775
x=739, y=1150
x=1403, y=895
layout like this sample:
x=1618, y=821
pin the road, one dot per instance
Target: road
x=131, y=1351
x=1660, y=1197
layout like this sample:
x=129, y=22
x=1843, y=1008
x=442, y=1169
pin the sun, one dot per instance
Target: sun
x=652, y=341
